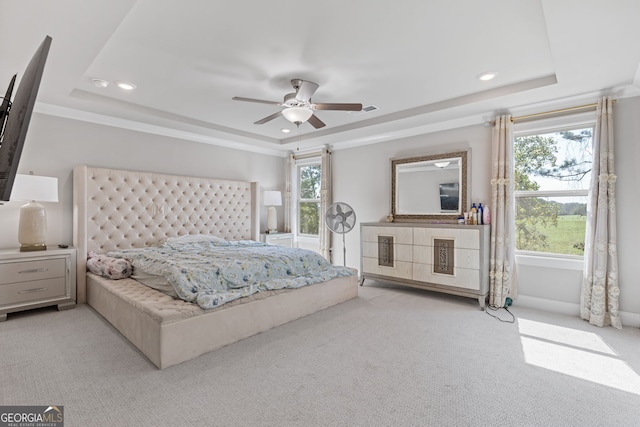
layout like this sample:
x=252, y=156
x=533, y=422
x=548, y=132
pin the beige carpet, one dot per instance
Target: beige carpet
x=392, y=357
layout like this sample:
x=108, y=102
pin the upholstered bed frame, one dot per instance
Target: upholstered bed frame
x=116, y=209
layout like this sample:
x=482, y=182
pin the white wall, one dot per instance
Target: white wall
x=55, y=145
x=362, y=175
x=362, y=179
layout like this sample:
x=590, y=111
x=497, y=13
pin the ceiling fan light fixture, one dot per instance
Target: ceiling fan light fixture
x=442, y=165
x=297, y=114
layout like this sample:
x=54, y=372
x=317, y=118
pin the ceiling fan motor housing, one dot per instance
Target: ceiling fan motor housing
x=296, y=83
x=301, y=100
x=291, y=101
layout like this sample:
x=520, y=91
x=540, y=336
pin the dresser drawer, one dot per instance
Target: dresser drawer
x=401, y=235
x=32, y=291
x=400, y=252
x=24, y=271
x=400, y=269
x=468, y=239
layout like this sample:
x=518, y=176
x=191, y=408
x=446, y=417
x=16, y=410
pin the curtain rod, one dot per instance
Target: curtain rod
x=309, y=155
x=559, y=111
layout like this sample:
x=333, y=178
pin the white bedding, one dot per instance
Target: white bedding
x=214, y=272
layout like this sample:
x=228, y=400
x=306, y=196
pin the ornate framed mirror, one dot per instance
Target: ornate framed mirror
x=430, y=187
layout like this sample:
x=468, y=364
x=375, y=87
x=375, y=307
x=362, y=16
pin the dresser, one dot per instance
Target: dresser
x=450, y=258
x=37, y=279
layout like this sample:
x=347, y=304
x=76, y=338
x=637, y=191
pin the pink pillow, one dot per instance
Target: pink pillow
x=111, y=268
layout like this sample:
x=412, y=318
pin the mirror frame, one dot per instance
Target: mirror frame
x=464, y=173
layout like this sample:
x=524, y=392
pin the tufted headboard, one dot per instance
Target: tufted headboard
x=117, y=209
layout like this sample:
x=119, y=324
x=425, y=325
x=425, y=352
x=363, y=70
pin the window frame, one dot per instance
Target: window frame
x=312, y=161
x=545, y=126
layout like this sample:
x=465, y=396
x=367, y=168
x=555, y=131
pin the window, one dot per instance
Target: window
x=309, y=181
x=552, y=177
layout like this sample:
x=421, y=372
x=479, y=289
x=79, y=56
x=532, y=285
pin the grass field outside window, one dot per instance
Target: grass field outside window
x=552, y=178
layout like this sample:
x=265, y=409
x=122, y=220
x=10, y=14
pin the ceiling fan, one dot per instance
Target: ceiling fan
x=298, y=106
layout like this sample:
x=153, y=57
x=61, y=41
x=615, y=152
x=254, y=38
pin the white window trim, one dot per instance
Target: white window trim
x=544, y=259
x=551, y=193
x=559, y=261
x=308, y=161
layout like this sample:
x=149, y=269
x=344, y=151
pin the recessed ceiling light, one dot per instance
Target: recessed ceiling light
x=487, y=76
x=285, y=130
x=126, y=85
x=100, y=83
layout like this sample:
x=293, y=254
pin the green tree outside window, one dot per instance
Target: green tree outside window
x=310, y=179
x=549, y=164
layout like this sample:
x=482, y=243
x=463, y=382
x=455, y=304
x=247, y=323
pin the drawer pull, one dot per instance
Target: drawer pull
x=29, y=291
x=34, y=270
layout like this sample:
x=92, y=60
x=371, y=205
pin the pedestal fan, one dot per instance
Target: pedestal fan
x=341, y=218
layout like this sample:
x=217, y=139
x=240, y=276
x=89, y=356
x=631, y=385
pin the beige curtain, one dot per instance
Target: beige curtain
x=325, y=202
x=287, y=193
x=600, y=291
x=502, y=268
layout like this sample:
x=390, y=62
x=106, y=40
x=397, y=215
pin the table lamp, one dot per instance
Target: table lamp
x=32, y=229
x=272, y=199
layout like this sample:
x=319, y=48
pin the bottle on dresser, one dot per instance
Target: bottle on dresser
x=486, y=215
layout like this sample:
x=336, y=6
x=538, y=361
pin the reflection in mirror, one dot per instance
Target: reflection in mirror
x=429, y=187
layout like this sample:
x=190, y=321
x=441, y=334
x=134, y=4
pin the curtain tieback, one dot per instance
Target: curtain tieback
x=499, y=181
x=608, y=177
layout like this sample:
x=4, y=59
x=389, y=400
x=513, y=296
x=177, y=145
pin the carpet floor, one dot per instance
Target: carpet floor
x=391, y=357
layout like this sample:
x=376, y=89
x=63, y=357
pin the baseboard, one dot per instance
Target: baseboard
x=570, y=309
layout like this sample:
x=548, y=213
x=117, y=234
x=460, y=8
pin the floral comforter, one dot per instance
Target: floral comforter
x=214, y=272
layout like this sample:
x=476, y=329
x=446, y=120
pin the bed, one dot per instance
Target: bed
x=117, y=210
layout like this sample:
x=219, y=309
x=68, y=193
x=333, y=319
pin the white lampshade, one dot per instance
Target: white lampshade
x=272, y=198
x=32, y=187
x=297, y=114
x=32, y=229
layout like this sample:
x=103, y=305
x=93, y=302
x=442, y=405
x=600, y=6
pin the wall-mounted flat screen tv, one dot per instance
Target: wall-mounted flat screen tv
x=5, y=106
x=17, y=115
x=449, y=197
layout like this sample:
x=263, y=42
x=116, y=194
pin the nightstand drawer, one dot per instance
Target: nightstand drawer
x=32, y=290
x=281, y=241
x=23, y=271
x=278, y=239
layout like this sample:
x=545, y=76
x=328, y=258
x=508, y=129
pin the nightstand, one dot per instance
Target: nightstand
x=37, y=279
x=279, y=239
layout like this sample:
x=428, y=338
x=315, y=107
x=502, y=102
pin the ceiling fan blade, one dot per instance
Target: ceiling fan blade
x=306, y=90
x=316, y=122
x=261, y=101
x=268, y=118
x=340, y=107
